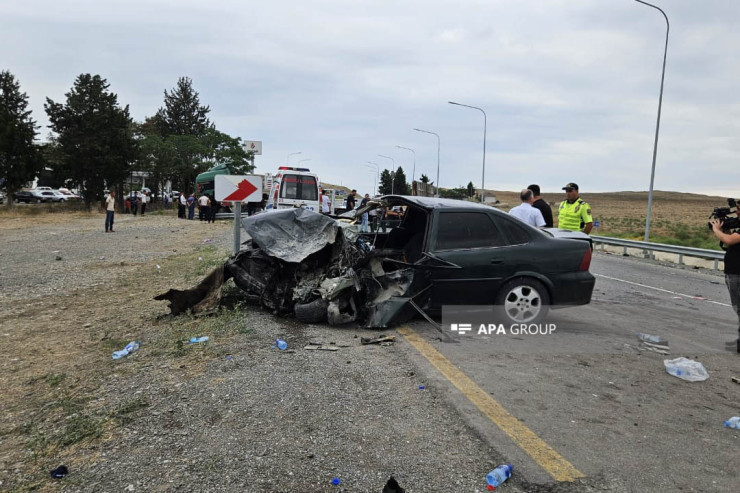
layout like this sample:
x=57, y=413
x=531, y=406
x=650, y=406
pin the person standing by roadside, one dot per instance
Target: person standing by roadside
x=204, y=208
x=351, y=200
x=732, y=266
x=540, y=204
x=110, y=210
x=215, y=206
x=134, y=203
x=574, y=213
x=144, y=200
x=182, y=204
x=191, y=206
x=365, y=226
x=166, y=200
x=525, y=212
x=324, y=202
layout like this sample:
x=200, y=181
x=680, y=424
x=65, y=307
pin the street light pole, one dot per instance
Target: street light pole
x=393, y=174
x=438, y=146
x=303, y=160
x=413, y=173
x=483, y=178
x=377, y=167
x=657, y=125
x=287, y=160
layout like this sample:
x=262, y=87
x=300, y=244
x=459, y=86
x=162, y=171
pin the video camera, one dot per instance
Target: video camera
x=728, y=216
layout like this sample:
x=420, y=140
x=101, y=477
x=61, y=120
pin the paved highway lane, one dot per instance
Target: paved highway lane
x=605, y=406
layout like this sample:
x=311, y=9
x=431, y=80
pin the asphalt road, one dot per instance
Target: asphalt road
x=594, y=395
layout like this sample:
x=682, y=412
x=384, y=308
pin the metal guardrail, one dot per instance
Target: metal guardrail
x=650, y=247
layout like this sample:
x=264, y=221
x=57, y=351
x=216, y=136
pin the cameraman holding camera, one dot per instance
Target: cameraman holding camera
x=732, y=264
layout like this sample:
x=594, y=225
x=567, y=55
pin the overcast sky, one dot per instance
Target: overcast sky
x=570, y=87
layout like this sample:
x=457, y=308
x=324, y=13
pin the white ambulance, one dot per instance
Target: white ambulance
x=294, y=187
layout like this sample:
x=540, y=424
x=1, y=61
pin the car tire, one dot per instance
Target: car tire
x=523, y=300
x=313, y=312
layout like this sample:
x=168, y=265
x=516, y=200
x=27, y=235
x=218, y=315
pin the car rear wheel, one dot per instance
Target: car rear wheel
x=523, y=301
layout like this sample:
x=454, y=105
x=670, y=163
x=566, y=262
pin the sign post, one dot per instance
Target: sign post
x=238, y=189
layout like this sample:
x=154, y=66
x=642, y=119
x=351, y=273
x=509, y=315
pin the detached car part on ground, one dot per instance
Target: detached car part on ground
x=444, y=252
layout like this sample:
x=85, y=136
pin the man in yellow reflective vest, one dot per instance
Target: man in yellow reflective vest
x=574, y=213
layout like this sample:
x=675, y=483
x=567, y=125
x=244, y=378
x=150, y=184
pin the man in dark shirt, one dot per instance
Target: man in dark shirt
x=351, y=200
x=731, y=241
x=539, y=203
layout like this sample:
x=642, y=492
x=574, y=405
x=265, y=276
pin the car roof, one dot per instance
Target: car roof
x=436, y=203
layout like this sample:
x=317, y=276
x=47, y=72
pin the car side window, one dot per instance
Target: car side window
x=516, y=234
x=456, y=230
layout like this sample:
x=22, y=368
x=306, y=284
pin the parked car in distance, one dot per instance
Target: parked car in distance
x=25, y=196
x=68, y=194
x=51, y=196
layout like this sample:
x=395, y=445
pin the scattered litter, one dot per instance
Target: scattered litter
x=733, y=422
x=229, y=357
x=207, y=240
x=676, y=297
x=335, y=481
x=313, y=346
x=281, y=344
x=158, y=267
x=653, y=343
x=59, y=472
x=498, y=475
x=736, y=380
x=130, y=348
x=686, y=369
x=197, y=340
x=200, y=259
x=378, y=340
x=392, y=486
x=101, y=258
x=59, y=257
x=421, y=387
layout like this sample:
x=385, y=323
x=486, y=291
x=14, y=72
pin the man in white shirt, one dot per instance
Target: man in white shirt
x=526, y=213
x=182, y=204
x=110, y=207
x=324, y=202
x=144, y=200
x=204, y=206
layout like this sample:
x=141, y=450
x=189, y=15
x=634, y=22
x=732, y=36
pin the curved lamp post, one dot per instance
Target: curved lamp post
x=657, y=125
x=413, y=173
x=287, y=160
x=483, y=177
x=377, y=168
x=438, y=145
x=393, y=171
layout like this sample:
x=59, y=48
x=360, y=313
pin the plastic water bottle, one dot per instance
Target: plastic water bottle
x=499, y=475
x=196, y=340
x=733, y=422
x=130, y=348
x=281, y=344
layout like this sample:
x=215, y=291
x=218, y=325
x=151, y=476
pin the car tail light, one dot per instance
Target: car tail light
x=586, y=261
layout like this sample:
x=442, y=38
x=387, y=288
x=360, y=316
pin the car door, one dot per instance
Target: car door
x=470, y=240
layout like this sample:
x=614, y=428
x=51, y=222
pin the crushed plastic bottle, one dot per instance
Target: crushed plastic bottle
x=281, y=344
x=130, y=348
x=196, y=340
x=498, y=475
x=733, y=422
x=686, y=369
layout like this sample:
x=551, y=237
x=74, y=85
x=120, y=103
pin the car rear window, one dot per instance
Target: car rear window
x=515, y=233
x=299, y=187
x=456, y=230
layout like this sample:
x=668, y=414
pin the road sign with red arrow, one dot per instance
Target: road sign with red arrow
x=238, y=188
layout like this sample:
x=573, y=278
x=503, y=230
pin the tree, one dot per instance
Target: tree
x=424, y=178
x=385, y=183
x=95, y=136
x=400, y=187
x=229, y=151
x=182, y=113
x=471, y=189
x=20, y=160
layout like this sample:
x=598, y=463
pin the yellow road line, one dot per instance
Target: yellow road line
x=544, y=455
